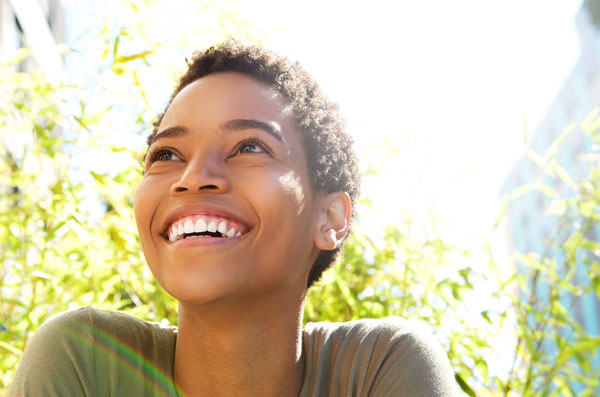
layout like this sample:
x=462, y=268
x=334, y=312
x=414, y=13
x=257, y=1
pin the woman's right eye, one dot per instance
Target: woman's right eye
x=163, y=155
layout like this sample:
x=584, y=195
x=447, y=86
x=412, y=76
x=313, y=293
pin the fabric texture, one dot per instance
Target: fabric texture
x=90, y=352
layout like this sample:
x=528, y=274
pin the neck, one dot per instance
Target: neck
x=240, y=349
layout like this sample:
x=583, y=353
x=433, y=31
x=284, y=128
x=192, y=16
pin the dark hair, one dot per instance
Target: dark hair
x=332, y=163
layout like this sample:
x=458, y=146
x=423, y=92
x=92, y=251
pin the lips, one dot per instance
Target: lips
x=202, y=221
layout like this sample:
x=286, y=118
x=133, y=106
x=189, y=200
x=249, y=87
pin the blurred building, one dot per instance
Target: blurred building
x=35, y=24
x=531, y=229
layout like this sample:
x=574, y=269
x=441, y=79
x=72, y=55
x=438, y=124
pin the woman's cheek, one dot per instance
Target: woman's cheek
x=142, y=206
x=291, y=185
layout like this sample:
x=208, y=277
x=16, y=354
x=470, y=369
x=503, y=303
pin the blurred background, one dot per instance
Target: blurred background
x=475, y=122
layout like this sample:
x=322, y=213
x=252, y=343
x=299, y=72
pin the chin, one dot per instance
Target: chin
x=199, y=286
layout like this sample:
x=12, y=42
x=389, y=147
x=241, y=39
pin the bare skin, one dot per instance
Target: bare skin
x=240, y=297
x=246, y=353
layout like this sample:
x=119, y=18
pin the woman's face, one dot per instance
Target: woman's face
x=225, y=208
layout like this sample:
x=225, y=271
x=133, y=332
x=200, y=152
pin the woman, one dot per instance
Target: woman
x=246, y=199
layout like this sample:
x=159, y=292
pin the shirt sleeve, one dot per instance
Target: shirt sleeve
x=58, y=360
x=379, y=358
x=412, y=363
x=90, y=352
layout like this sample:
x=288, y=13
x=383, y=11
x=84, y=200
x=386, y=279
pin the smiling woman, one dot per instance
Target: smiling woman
x=246, y=199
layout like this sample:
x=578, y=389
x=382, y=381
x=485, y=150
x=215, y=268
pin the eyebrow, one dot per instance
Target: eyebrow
x=231, y=125
x=245, y=124
x=171, y=132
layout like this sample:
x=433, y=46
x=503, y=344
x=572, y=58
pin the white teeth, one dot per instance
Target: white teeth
x=212, y=226
x=188, y=227
x=173, y=233
x=200, y=226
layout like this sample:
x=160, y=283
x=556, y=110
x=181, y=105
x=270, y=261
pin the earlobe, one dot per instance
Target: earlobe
x=334, y=218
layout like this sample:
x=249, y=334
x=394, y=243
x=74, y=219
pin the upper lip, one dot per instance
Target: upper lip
x=200, y=209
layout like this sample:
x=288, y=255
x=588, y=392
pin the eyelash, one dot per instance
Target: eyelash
x=157, y=152
x=252, y=141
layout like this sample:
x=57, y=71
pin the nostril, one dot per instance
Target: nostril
x=180, y=189
x=210, y=187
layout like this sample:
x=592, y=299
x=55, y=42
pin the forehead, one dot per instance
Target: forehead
x=228, y=95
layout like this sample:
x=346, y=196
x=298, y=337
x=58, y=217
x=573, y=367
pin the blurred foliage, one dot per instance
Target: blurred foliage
x=59, y=251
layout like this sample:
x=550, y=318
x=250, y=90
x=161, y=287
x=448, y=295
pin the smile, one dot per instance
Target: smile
x=199, y=226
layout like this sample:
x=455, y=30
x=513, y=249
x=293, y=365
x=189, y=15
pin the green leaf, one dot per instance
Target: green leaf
x=127, y=58
x=564, y=176
x=115, y=49
x=10, y=348
x=553, y=149
x=464, y=386
x=537, y=159
x=19, y=56
x=101, y=179
x=485, y=315
x=521, y=190
x=557, y=207
x=41, y=275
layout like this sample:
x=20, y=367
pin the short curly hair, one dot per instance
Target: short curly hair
x=332, y=162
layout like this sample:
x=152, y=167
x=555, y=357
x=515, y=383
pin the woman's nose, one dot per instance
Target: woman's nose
x=202, y=174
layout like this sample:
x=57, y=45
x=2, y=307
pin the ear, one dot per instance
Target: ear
x=333, y=220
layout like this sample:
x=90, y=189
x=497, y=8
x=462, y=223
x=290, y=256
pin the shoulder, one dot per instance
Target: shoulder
x=389, y=356
x=88, y=350
x=97, y=327
x=360, y=328
x=391, y=335
x=57, y=346
x=85, y=317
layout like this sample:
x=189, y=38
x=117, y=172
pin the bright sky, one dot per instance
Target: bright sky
x=451, y=82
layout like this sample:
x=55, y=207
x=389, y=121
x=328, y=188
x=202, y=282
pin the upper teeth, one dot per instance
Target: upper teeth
x=199, y=224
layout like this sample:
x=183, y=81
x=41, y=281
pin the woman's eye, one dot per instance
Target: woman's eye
x=163, y=155
x=252, y=145
x=250, y=148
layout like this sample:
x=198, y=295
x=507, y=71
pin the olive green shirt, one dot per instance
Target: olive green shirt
x=89, y=352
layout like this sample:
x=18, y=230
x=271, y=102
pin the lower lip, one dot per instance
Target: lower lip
x=201, y=241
